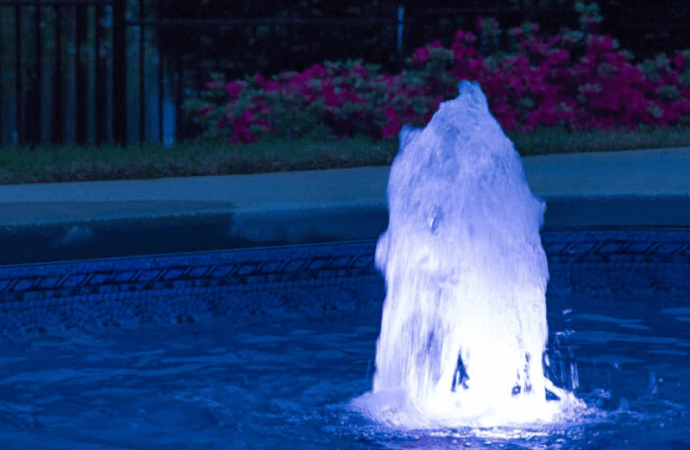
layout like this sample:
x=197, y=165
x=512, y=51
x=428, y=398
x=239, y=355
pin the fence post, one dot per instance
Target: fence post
x=142, y=75
x=120, y=72
x=19, y=123
x=401, y=17
x=57, y=102
x=80, y=67
x=101, y=117
x=38, y=93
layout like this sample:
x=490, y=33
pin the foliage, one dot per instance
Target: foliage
x=540, y=85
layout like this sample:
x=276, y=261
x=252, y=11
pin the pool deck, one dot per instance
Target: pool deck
x=52, y=222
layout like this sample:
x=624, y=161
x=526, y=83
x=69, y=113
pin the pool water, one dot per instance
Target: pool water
x=280, y=381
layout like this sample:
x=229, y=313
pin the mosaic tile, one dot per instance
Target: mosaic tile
x=304, y=279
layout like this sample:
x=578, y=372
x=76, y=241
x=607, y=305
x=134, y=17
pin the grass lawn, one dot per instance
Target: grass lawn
x=20, y=165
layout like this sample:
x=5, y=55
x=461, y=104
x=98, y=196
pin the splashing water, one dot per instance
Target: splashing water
x=464, y=321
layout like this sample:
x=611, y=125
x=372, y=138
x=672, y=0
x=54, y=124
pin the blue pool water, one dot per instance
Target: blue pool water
x=286, y=381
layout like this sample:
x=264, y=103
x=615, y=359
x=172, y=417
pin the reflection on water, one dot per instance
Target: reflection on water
x=285, y=382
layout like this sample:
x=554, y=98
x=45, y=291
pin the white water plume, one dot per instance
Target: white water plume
x=464, y=320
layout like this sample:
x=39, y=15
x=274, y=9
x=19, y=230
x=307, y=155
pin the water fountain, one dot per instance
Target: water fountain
x=464, y=327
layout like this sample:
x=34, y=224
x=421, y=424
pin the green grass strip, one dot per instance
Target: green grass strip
x=21, y=165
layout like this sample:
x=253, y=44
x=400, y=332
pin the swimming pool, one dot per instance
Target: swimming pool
x=265, y=348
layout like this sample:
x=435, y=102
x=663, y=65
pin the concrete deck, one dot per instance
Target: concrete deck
x=52, y=222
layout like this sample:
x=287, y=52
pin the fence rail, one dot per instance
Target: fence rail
x=32, y=3
x=94, y=77
x=260, y=22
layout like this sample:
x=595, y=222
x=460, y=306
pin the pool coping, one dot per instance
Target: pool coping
x=643, y=189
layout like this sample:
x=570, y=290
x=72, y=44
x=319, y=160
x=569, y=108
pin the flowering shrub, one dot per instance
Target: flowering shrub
x=576, y=79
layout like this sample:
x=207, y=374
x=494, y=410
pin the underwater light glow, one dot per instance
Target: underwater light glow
x=464, y=326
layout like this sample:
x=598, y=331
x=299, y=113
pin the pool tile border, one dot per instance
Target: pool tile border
x=305, y=279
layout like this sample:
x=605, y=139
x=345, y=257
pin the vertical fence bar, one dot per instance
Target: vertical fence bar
x=160, y=83
x=290, y=38
x=80, y=69
x=98, y=76
x=17, y=74
x=1, y=81
x=267, y=43
x=39, y=77
x=179, y=72
x=142, y=75
x=119, y=72
x=2, y=141
x=401, y=17
x=422, y=29
x=57, y=135
x=197, y=74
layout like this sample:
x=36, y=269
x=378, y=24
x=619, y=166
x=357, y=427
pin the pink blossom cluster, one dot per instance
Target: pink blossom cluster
x=542, y=84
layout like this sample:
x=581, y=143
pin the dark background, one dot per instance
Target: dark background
x=92, y=71
x=643, y=27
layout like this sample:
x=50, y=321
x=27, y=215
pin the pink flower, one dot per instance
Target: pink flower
x=623, y=95
x=298, y=81
x=421, y=55
x=234, y=89
x=391, y=114
x=298, y=84
x=316, y=71
x=556, y=58
x=246, y=117
x=350, y=97
x=394, y=126
x=505, y=115
x=391, y=131
x=679, y=61
x=361, y=71
x=331, y=98
x=241, y=133
x=240, y=126
x=272, y=86
x=437, y=102
x=459, y=50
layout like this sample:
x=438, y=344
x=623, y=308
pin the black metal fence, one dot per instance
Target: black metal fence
x=45, y=79
x=89, y=71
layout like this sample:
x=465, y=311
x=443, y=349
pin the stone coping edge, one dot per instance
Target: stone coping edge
x=268, y=227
